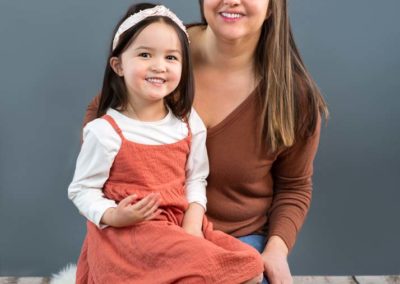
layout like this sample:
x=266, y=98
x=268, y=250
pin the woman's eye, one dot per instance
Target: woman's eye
x=172, y=57
x=144, y=55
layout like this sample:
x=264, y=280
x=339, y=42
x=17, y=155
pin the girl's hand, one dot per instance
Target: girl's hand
x=276, y=266
x=193, y=230
x=129, y=212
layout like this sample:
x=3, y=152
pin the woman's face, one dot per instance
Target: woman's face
x=235, y=19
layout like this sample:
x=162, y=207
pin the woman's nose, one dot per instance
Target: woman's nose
x=232, y=3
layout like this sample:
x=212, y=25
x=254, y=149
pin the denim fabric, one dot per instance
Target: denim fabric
x=258, y=242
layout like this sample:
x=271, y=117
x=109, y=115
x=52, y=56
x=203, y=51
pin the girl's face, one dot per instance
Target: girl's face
x=235, y=19
x=151, y=65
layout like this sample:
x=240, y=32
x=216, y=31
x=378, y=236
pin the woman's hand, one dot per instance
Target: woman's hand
x=276, y=266
x=129, y=212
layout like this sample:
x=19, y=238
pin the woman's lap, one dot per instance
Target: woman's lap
x=257, y=242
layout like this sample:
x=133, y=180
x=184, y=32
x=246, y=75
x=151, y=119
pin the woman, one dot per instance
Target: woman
x=262, y=112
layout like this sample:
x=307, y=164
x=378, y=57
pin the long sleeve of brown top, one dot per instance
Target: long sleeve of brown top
x=292, y=174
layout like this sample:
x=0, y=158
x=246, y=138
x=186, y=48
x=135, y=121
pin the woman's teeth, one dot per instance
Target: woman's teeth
x=231, y=15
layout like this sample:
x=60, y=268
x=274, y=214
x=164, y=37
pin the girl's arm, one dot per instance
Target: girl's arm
x=100, y=146
x=92, y=170
x=193, y=219
x=197, y=170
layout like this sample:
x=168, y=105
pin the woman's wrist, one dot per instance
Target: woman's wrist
x=276, y=244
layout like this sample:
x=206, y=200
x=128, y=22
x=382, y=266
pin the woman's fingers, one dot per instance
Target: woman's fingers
x=276, y=267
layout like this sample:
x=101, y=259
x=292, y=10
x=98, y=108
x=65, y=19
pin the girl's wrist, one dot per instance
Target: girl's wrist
x=108, y=217
x=192, y=226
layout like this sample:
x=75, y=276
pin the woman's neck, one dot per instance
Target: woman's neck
x=232, y=55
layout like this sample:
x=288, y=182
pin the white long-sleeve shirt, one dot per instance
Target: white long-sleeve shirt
x=101, y=144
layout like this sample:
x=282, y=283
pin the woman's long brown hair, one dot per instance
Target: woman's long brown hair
x=290, y=101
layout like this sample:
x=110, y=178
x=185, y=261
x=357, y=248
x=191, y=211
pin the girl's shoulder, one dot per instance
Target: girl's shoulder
x=97, y=126
x=101, y=130
x=196, y=123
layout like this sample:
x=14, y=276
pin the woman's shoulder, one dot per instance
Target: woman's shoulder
x=194, y=30
x=195, y=35
x=308, y=108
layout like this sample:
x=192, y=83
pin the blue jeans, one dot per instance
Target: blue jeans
x=257, y=242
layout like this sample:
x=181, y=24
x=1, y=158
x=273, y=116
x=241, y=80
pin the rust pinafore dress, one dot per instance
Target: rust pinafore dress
x=159, y=251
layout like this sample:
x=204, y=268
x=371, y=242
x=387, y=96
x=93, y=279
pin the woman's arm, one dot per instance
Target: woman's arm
x=91, y=110
x=292, y=173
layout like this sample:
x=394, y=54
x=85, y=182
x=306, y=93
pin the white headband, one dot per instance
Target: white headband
x=132, y=20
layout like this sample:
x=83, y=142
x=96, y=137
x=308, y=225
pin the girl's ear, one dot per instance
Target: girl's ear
x=115, y=64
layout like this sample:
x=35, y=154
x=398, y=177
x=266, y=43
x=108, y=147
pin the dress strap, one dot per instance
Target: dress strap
x=114, y=125
x=186, y=121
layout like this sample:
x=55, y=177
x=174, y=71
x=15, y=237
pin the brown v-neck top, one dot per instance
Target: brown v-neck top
x=250, y=191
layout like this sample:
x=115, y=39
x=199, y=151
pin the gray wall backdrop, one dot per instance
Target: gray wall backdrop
x=52, y=58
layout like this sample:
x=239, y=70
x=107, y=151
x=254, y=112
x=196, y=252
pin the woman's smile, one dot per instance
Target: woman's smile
x=231, y=16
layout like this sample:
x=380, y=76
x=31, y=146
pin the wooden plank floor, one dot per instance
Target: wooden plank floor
x=297, y=280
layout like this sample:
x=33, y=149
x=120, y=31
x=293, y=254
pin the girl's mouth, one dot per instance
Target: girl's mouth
x=155, y=80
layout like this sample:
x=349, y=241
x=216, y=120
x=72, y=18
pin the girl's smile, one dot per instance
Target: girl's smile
x=156, y=81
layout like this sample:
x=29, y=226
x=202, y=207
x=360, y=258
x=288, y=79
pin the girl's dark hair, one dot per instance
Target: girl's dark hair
x=290, y=101
x=114, y=93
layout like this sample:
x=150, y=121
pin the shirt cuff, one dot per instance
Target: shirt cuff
x=285, y=229
x=197, y=194
x=98, y=210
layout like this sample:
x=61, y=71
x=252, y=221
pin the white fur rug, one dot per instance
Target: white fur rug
x=65, y=276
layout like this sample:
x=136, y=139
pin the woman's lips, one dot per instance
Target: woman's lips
x=231, y=16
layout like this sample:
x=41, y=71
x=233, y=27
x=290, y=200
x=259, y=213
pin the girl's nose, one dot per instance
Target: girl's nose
x=158, y=67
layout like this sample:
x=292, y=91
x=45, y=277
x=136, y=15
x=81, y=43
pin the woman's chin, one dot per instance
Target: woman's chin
x=232, y=34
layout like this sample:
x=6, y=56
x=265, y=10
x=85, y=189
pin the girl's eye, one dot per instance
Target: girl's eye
x=144, y=55
x=172, y=57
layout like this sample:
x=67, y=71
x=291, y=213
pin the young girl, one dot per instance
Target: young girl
x=140, y=175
